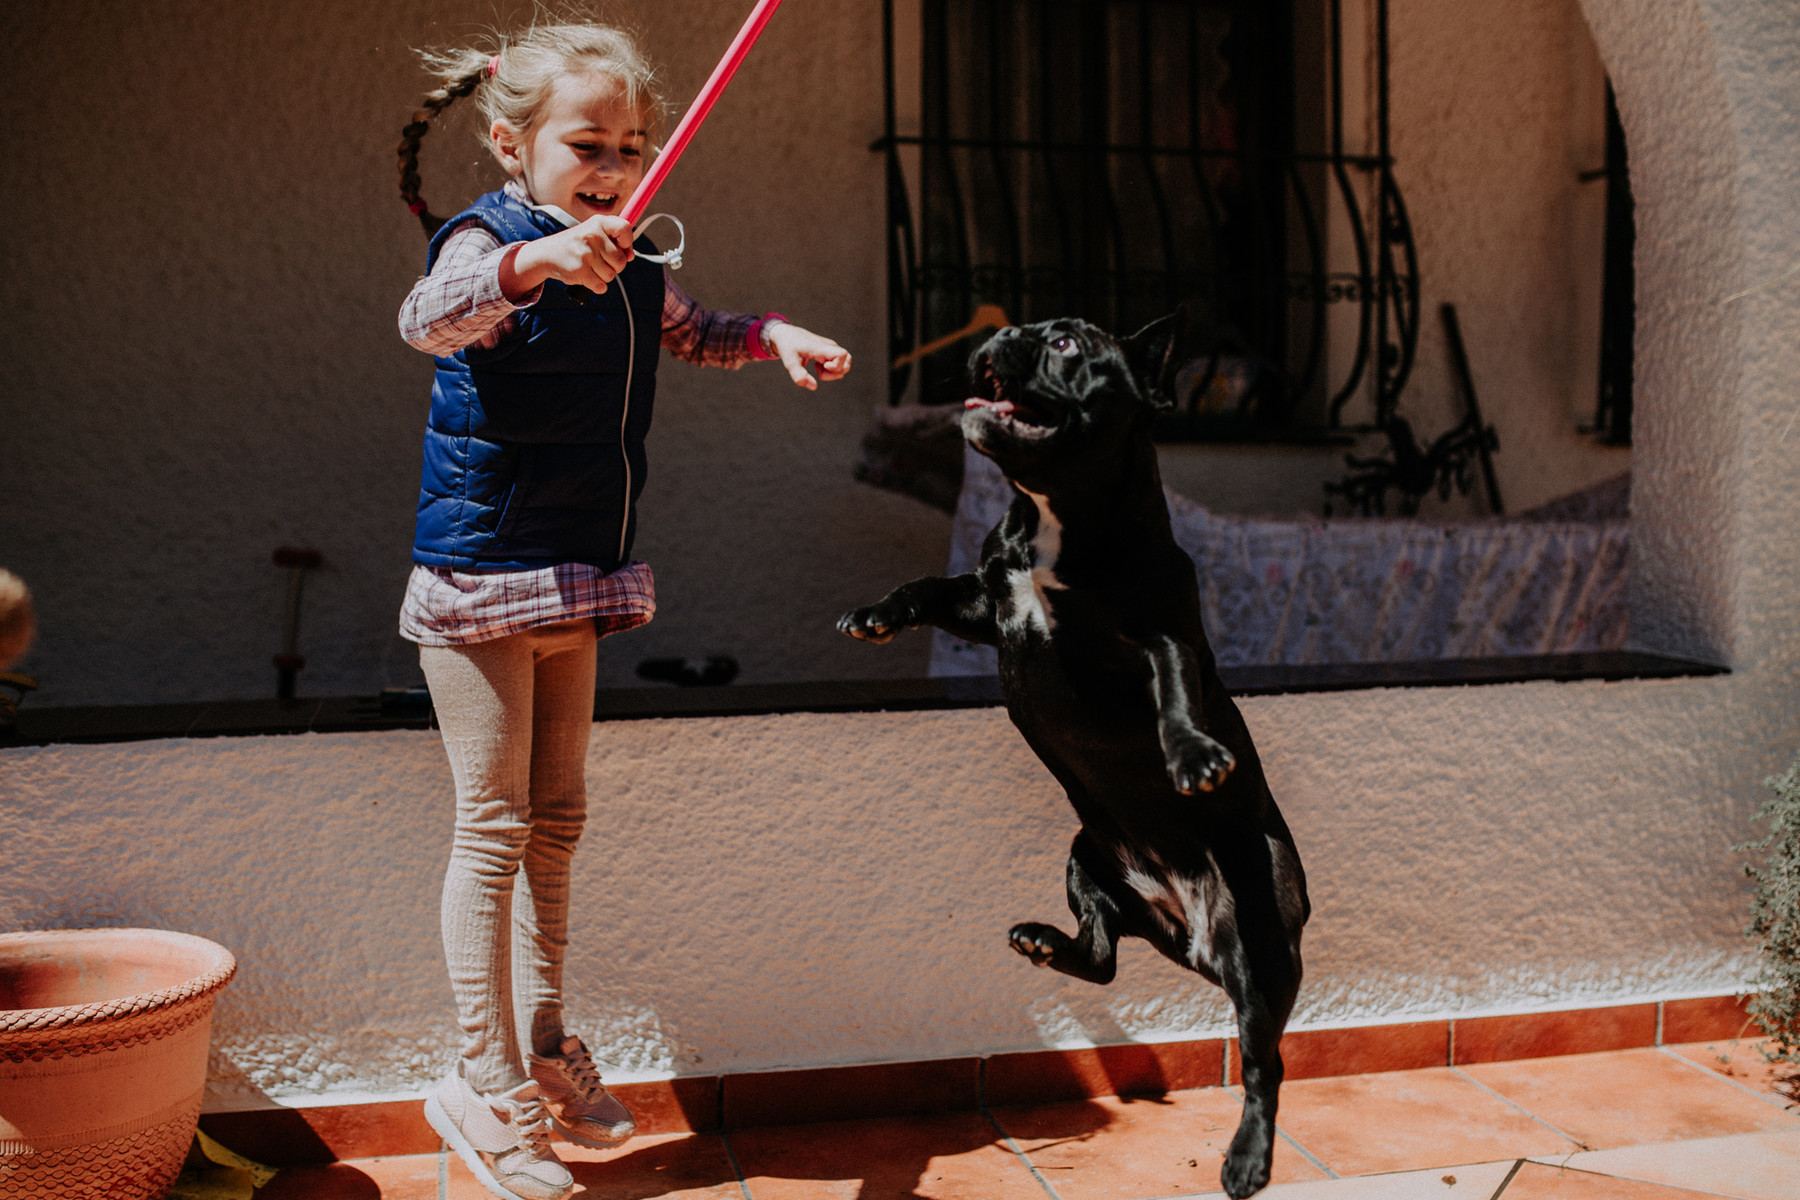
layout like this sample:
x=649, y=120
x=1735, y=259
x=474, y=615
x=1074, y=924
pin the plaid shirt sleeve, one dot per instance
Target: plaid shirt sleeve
x=460, y=303
x=706, y=338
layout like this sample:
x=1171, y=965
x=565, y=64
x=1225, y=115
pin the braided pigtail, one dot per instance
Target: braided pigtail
x=464, y=73
x=511, y=87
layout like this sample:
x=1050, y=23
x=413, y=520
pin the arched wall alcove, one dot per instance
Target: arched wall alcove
x=1707, y=94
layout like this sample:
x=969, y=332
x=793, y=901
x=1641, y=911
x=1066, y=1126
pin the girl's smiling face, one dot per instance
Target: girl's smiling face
x=586, y=153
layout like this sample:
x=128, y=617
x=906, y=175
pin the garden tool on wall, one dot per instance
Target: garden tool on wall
x=1415, y=470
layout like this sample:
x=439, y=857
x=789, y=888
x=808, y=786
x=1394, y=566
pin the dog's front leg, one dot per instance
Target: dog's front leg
x=957, y=604
x=1197, y=762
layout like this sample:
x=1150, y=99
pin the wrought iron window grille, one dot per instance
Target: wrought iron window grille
x=1112, y=159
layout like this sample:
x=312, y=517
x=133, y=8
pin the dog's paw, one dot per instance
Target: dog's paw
x=1246, y=1169
x=1037, y=942
x=877, y=623
x=1198, y=764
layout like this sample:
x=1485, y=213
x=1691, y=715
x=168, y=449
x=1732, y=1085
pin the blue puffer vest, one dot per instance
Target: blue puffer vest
x=534, y=450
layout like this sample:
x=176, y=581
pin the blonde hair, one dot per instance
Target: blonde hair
x=511, y=80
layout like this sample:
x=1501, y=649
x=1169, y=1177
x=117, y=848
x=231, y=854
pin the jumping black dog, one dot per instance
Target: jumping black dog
x=1108, y=675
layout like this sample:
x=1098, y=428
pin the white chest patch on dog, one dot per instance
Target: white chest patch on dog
x=1030, y=604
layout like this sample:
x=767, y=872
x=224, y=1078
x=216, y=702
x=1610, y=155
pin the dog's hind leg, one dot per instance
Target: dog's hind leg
x=1262, y=977
x=1092, y=954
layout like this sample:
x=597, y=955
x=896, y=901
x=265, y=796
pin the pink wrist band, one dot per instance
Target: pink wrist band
x=755, y=334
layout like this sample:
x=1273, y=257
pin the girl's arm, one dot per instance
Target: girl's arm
x=461, y=302
x=724, y=339
x=709, y=338
x=477, y=284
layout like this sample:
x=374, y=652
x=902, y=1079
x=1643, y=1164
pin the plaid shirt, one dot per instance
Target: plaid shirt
x=460, y=304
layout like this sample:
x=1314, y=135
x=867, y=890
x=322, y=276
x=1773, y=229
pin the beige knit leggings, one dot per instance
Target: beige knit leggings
x=515, y=714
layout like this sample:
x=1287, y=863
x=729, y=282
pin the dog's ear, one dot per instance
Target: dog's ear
x=1155, y=353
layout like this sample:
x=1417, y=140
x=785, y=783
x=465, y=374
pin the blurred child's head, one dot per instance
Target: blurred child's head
x=16, y=620
x=568, y=109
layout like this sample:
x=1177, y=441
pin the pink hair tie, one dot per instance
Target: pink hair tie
x=416, y=207
x=493, y=66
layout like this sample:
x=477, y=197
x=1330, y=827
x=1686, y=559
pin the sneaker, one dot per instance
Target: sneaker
x=585, y=1112
x=504, y=1139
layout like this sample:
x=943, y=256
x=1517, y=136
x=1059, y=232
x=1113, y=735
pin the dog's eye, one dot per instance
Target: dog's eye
x=1065, y=346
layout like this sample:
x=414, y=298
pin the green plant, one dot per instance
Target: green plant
x=1775, y=916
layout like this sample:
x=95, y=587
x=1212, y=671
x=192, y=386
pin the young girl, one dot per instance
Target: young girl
x=545, y=321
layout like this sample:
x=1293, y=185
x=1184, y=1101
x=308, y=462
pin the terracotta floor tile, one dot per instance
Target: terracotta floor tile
x=1753, y=1166
x=678, y=1166
x=1111, y=1149
x=1474, y=1182
x=1408, y=1120
x=408, y=1177
x=1742, y=1062
x=459, y=1184
x=949, y=1156
x=1535, y=1181
x=1629, y=1098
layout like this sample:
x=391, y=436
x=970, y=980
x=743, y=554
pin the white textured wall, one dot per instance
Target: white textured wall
x=802, y=890
x=815, y=889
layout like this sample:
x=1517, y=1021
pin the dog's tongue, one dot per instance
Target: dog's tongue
x=1000, y=406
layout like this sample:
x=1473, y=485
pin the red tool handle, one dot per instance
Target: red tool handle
x=696, y=113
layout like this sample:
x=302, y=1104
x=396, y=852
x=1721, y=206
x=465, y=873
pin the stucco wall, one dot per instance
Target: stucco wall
x=814, y=889
x=206, y=253
x=801, y=890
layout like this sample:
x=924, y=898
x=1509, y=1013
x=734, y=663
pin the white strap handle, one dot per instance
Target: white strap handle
x=669, y=258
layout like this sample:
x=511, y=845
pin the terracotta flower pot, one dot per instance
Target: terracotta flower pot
x=103, y=1039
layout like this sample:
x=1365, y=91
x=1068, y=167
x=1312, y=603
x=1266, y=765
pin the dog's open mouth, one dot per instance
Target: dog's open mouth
x=1006, y=405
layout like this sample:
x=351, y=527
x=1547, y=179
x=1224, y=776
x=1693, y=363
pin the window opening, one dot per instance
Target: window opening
x=1112, y=159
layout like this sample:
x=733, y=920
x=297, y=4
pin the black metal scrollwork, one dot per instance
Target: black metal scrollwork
x=1115, y=158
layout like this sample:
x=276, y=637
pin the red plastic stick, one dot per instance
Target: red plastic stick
x=696, y=113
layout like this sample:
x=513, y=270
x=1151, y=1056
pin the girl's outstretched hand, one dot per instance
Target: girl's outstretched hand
x=587, y=255
x=796, y=347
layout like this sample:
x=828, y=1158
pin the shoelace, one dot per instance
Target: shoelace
x=585, y=1075
x=527, y=1115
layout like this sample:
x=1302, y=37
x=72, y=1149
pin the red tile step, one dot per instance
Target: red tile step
x=706, y=1104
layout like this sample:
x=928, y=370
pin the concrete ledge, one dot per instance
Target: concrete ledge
x=411, y=708
x=285, y=1136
